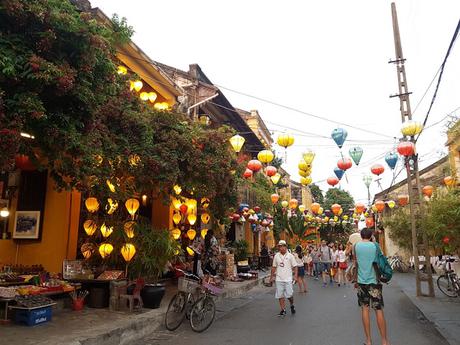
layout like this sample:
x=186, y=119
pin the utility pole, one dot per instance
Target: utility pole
x=412, y=169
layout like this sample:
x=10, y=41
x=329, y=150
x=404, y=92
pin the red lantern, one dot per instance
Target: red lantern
x=315, y=207
x=275, y=198
x=406, y=148
x=427, y=191
x=370, y=222
x=446, y=240
x=380, y=206
x=360, y=208
x=270, y=171
x=403, y=199
x=377, y=169
x=247, y=173
x=257, y=209
x=183, y=209
x=23, y=162
x=344, y=164
x=332, y=181
x=336, y=209
x=254, y=165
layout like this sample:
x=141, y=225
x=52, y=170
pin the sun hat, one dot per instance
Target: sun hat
x=282, y=243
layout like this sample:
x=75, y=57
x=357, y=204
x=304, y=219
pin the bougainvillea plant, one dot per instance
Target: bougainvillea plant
x=58, y=83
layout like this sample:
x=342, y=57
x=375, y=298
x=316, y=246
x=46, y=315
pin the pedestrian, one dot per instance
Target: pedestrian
x=309, y=262
x=335, y=264
x=283, y=268
x=326, y=262
x=369, y=288
x=316, y=255
x=342, y=264
x=300, y=260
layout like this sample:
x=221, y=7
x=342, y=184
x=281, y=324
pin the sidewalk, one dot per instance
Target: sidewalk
x=101, y=326
x=442, y=311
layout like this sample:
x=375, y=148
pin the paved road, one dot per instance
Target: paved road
x=326, y=316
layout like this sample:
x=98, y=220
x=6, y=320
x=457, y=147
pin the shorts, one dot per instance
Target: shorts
x=283, y=289
x=370, y=295
x=325, y=267
x=301, y=271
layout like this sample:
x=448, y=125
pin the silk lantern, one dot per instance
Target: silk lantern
x=128, y=251
x=344, y=164
x=191, y=219
x=380, y=206
x=92, y=205
x=128, y=227
x=254, y=165
x=87, y=249
x=270, y=171
x=247, y=173
x=205, y=217
x=265, y=156
x=132, y=205
x=105, y=249
x=275, y=178
x=177, y=218
x=403, y=199
x=284, y=204
x=338, y=172
x=332, y=180
x=177, y=189
x=237, y=142
x=305, y=181
x=308, y=157
x=449, y=181
x=106, y=231
x=176, y=233
x=427, y=191
x=411, y=128
x=339, y=135
x=285, y=140
x=205, y=202
x=406, y=148
x=391, y=158
x=335, y=208
x=275, y=198
x=315, y=207
x=90, y=227
x=293, y=203
x=356, y=153
x=191, y=234
x=377, y=169
x=391, y=204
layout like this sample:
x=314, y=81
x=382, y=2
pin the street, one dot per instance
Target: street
x=325, y=316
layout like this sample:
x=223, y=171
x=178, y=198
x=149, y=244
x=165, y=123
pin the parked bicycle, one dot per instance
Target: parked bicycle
x=194, y=301
x=449, y=283
x=397, y=264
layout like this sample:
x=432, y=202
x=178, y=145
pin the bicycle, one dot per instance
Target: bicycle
x=193, y=301
x=397, y=264
x=449, y=283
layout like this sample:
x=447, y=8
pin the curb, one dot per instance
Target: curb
x=144, y=324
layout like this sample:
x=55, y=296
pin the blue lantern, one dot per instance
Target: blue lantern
x=339, y=135
x=391, y=158
x=338, y=172
x=356, y=153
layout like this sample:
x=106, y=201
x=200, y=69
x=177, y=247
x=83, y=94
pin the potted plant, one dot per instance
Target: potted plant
x=155, y=248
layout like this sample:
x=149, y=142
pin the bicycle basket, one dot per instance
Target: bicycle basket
x=187, y=285
x=213, y=289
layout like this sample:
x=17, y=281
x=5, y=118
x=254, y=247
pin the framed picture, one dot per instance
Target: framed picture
x=26, y=225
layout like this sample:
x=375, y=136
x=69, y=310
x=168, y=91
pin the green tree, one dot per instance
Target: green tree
x=317, y=193
x=338, y=196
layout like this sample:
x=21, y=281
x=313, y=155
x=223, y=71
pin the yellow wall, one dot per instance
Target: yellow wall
x=161, y=214
x=453, y=143
x=59, y=233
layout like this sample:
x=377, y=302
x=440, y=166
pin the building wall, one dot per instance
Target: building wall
x=59, y=233
x=453, y=144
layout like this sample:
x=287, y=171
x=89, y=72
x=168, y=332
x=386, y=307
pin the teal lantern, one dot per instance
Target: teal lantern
x=392, y=159
x=339, y=135
x=338, y=172
x=356, y=153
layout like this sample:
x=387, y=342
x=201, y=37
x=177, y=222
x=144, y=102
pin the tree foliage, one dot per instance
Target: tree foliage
x=317, y=193
x=338, y=196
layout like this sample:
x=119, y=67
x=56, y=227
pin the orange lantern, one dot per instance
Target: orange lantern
x=106, y=231
x=403, y=200
x=293, y=203
x=177, y=218
x=449, y=181
x=380, y=206
x=205, y=217
x=360, y=208
x=129, y=229
x=336, y=209
x=370, y=222
x=92, y=205
x=132, y=205
x=315, y=207
x=427, y=191
x=90, y=227
x=128, y=251
x=191, y=234
x=275, y=198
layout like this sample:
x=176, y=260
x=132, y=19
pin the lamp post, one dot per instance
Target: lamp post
x=4, y=213
x=367, y=179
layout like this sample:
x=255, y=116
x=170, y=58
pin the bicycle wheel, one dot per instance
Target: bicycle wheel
x=445, y=285
x=202, y=314
x=177, y=309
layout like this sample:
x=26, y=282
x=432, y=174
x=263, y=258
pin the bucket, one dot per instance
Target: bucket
x=77, y=304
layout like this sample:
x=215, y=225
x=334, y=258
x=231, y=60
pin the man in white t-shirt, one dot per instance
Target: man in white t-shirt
x=284, y=265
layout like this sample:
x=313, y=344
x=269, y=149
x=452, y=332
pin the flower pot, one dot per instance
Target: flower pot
x=152, y=294
x=77, y=304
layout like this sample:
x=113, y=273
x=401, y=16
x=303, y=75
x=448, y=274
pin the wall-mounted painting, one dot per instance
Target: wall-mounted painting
x=27, y=225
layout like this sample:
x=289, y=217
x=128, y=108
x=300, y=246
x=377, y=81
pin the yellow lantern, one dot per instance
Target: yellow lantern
x=105, y=249
x=176, y=218
x=161, y=106
x=128, y=251
x=176, y=203
x=204, y=232
x=152, y=96
x=237, y=142
x=137, y=85
x=129, y=229
x=308, y=156
x=144, y=96
x=275, y=178
x=112, y=206
x=285, y=140
x=122, y=70
x=106, y=231
x=205, y=217
x=92, y=205
x=284, y=203
x=306, y=180
x=176, y=233
x=391, y=204
x=265, y=156
x=134, y=160
x=191, y=234
x=132, y=205
x=374, y=208
x=205, y=202
x=87, y=249
x=411, y=128
x=303, y=165
x=191, y=205
x=302, y=208
x=90, y=227
x=191, y=219
x=110, y=185
x=190, y=251
x=320, y=210
x=177, y=189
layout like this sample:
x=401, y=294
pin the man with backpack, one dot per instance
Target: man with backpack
x=371, y=271
x=326, y=262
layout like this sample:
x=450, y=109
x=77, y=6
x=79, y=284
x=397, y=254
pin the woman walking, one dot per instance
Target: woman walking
x=342, y=263
x=309, y=262
x=300, y=260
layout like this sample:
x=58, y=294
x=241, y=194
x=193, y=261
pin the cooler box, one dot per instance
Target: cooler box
x=33, y=317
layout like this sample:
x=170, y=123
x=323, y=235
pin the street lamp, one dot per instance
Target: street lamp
x=4, y=213
x=367, y=179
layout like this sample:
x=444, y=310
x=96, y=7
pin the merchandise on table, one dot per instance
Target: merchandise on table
x=34, y=301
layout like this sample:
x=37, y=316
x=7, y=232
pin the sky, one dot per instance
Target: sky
x=326, y=58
